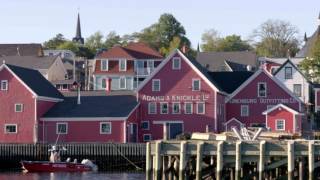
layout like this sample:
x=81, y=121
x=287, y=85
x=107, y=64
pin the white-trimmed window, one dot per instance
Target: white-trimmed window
x=188, y=108
x=104, y=65
x=164, y=109
x=262, y=89
x=10, y=128
x=62, y=128
x=4, y=85
x=176, y=108
x=18, y=107
x=288, y=72
x=244, y=110
x=196, y=84
x=105, y=128
x=280, y=124
x=152, y=108
x=147, y=137
x=122, y=82
x=201, y=108
x=145, y=125
x=297, y=90
x=176, y=63
x=122, y=65
x=156, y=85
x=103, y=83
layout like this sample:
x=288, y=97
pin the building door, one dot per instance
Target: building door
x=175, y=129
x=133, y=133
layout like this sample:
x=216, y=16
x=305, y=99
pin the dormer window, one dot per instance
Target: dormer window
x=4, y=85
x=122, y=65
x=104, y=65
x=156, y=85
x=262, y=89
x=176, y=63
x=288, y=73
x=196, y=85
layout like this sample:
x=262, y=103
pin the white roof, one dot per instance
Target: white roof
x=295, y=61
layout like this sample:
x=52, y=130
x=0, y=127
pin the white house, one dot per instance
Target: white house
x=294, y=79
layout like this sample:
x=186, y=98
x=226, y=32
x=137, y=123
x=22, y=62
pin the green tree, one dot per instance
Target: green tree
x=174, y=44
x=95, y=42
x=311, y=65
x=274, y=38
x=54, y=42
x=210, y=40
x=69, y=45
x=233, y=43
x=112, y=39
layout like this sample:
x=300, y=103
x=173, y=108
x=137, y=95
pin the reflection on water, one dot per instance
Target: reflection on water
x=71, y=176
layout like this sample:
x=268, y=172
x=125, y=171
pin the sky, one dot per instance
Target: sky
x=35, y=21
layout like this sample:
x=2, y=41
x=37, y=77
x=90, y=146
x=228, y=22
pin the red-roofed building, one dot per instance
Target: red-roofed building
x=123, y=68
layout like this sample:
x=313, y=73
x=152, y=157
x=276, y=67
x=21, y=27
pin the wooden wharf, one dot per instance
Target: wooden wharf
x=211, y=159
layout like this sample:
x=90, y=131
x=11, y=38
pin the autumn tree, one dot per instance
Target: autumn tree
x=275, y=38
x=210, y=40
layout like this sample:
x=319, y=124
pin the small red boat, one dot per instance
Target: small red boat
x=46, y=166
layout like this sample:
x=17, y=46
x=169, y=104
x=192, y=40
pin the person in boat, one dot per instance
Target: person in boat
x=55, y=154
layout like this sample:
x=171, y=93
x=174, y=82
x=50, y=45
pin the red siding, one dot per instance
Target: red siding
x=84, y=131
x=269, y=66
x=274, y=91
x=177, y=83
x=281, y=113
x=17, y=93
x=114, y=67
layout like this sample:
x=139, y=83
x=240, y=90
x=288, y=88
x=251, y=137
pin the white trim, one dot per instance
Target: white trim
x=5, y=128
x=15, y=107
x=176, y=59
x=125, y=82
x=162, y=103
x=215, y=111
x=228, y=66
x=204, y=107
x=75, y=119
x=193, y=80
x=179, y=104
x=153, y=81
x=125, y=65
x=244, y=106
x=107, y=65
x=150, y=139
x=164, y=122
x=43, y=98
x=230, y=120
x=148, y=125
x=155, y=106
x=284, y=124
x=252, y=77
x=185, y=108
x=281, y=106
x=36, y=129
x=57, y=127
x=164, y=62
x=109, y=123
x=125, y=132
x=6, y=87
x=258, y=90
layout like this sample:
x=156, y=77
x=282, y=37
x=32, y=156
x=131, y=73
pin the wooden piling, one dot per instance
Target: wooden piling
x=182, y=165
x=148, y=161
x=291, y=158
x=311, y=158
x=219, y=167
x=199, y=160
x=238, y=160
x=158, y=162
x=261, y=158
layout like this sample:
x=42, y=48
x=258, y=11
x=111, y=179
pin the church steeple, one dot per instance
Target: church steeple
x=78, y=38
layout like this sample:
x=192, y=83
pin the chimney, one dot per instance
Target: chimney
x=3, y=61
x=249, y=68
x=184, y=49
x=79, y=96
x=18, y=51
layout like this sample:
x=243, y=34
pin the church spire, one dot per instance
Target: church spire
x=78, y=38
x=305, y=37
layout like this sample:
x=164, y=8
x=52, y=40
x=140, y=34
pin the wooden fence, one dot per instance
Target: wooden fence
x=108, y=156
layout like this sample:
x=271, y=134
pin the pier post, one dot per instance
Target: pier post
x=148, y=161
x=199, y=160
x=262, y=158
x=301, y=172
x=238, y=160
x=290, y=159
x=158, y=161
x=311, y=158
x=219, y=167
x=183, y=149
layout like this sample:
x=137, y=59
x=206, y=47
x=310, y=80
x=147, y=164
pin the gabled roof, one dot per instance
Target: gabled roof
x=213, y=61
x=130, y=52
x=280, y=106
x=236, y=66
x=256, y=74
x=21, y=50
x=201, y=71
x=305, y=50
x=230, y=81
x=296, y=60
x=94, y=106
x=35, y=82
x=293, y=65
x=32, y=62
